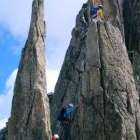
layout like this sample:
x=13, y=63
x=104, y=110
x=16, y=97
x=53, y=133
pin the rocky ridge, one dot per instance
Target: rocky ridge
x=97, y=77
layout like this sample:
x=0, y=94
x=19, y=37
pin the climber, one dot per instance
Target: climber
x=100, y=12
x=93, y=11
x=97, y=12
x=67, y=113
x=55, y=137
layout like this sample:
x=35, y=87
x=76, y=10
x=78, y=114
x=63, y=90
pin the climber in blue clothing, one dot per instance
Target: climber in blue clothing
x=67, y=113
x=93, y=11
x=97, y=10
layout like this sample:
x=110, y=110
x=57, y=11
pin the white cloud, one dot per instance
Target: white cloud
x=15, y=15
x=6, y=98
x=52, y=76
x=60, y=15
x=3, y=123
x=60, y=18
x=11, y=80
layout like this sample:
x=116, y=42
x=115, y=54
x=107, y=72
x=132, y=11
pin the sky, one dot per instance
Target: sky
x=14, y=25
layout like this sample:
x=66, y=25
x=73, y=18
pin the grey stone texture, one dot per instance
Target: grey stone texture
x=30, y=115
x=100, y=75
x=97, y=76
x=132, y=35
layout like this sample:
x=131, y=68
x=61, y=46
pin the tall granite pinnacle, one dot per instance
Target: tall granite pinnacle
x=97, y=77
x=30, y=116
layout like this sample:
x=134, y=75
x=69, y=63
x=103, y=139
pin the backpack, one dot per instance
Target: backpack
x=69, y=113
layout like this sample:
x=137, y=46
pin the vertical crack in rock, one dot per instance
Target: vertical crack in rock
x=30, y=115
x=132, y=35
x=102, y=78
x=97, y=77
x=131, y=9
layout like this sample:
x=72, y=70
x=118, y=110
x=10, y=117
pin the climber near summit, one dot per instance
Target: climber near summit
x=67, y=114
x=96, y=10
x=100, y=12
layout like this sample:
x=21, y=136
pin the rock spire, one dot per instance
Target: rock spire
x=30, y=116
x=97, y=77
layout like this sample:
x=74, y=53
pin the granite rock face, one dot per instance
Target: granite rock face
x=132, y=35
x=30, y=115
x=97, y=77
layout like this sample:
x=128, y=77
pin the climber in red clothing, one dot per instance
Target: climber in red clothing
x=55, y=137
